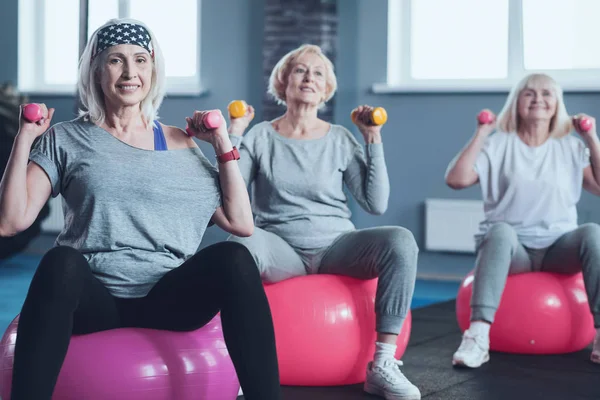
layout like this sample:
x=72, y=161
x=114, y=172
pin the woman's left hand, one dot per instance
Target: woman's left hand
x=586, y=134
x=196, y=127
x=362, y=118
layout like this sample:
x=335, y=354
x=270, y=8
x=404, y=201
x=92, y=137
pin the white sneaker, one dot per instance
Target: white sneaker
x=595, y=357
x=386, y=380
x=240, y=393
x=473, y=351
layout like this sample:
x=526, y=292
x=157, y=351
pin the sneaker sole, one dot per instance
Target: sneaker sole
x=389, y=396
x=462, y=363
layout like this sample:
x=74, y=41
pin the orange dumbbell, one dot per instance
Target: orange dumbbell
x=378, y=116
x=238, y=108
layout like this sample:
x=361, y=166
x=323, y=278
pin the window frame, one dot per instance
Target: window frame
x=398, y=79
x=31, y=63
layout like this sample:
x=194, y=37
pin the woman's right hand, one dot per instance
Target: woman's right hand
x=237, y=126
x=486, y=123
x=35, y=129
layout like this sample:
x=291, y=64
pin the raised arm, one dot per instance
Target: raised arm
x=240, y=115
x=461, y=173
x=235, y=216
x=586, y=127
x=25, y=187
x=367, y=177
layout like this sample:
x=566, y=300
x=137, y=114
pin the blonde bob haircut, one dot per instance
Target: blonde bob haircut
x=88, y=82
x=509, y=120
x=279, y=76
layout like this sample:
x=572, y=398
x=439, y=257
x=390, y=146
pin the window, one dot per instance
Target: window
x=441, y=45
x=49, y=32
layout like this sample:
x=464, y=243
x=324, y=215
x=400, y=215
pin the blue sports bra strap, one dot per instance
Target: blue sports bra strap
x=160, y=143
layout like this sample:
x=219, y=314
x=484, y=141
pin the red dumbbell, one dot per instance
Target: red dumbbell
x=485, y=117
x=211, y=120
x=585, y=124
x=32, y=112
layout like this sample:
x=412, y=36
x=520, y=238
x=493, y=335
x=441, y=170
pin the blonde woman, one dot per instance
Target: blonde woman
x=138, y=196
x=297, y=166
x=531, y=173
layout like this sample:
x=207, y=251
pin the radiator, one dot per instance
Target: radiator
x=55, y=221
x=451, y=224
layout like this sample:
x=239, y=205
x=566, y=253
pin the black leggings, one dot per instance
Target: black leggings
x=66, y=298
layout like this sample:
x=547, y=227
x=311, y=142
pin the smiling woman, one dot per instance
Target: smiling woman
x=127, y=256
x=531, y=172
x=297, y=166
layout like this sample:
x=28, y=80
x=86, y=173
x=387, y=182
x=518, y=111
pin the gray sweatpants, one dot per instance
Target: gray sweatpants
x=500, y=254
x=387, y=252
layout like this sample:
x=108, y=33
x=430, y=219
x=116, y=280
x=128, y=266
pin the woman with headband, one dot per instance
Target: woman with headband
x=138, y=196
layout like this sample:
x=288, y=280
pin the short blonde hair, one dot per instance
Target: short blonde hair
x=279, y=76
x=90, y=91
x=508, y=118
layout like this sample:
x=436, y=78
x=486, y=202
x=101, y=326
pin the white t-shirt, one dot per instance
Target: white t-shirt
x=533, y=189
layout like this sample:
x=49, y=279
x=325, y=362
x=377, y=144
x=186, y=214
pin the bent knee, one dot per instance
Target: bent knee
x=400, y=238
x=61, y=272
x=590, y=232
x=234, y=257
x=502, y=231
x=62, y=260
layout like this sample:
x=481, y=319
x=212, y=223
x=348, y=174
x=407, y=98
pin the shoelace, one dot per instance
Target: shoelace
x=390, y=370
x=470, y=342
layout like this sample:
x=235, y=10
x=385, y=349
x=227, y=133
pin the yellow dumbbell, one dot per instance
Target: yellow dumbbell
x=377, y=117
x=238, y=108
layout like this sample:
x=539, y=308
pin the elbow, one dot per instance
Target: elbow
x=455, y=184
x=8, y=231
x=378, y=209
x=244, y=230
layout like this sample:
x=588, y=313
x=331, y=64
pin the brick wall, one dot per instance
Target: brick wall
x=289, y=24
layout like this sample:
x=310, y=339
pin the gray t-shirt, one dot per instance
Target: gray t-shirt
x=297, y=186
x=134, y=214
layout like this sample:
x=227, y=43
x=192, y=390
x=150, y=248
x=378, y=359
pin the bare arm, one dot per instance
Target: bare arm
x=590, y=182
x=460, y=173
x=235, y=216
x=25, y=187
x=591, y=174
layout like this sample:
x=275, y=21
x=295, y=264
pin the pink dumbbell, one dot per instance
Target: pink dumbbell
x=32, y=112
x=585, y=124
x=211, y=120
x=485, y=117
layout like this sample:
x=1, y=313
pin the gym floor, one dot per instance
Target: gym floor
x=435, y=336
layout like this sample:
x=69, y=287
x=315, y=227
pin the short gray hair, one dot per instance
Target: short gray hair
x=279, y=76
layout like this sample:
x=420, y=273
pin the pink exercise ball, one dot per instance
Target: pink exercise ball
x=136, y=364
x=539, y=313
x=325, y=329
